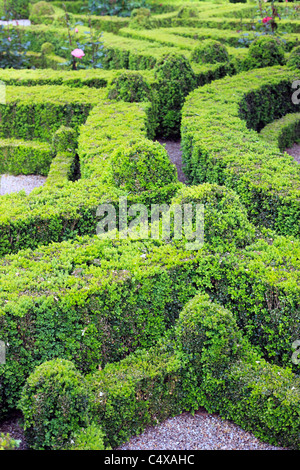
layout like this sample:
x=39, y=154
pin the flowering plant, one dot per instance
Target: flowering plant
x=85, y=53
x=13, y=48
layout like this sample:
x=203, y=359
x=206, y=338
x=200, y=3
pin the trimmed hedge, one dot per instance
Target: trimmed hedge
x=216, y=120
x=25, y=157
x=93, y=301
x=204, y=361
x=284, y=132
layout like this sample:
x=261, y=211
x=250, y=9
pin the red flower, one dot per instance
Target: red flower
x=267, y=19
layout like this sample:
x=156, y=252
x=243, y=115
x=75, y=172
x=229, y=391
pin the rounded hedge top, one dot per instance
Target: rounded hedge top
x=129, y=87
x=41, y=8
x=226, y=221
x=294, y=59
x=175, y=67
x=265, y=51
x=210, y=52
x=142, y=166
x=54, y=403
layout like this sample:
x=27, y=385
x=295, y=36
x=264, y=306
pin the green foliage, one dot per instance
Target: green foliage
x=215, y=120
x=89, y=438
x=187, y=12
x=210, y=52
x=16, y=9
x=129, y=87
x=226, y=221
x=293, y=61
x=175, y=79
x=64, y=139
x=47, y=48
x=114, y=7
x=8, y=443
x=140, y=18
x=265, y=51
x=203, y=361
x=23, y=157
x=142, y=166
x=283, y=132
x=208, y=334
x=13, y=48
x=39, y=10
x=55, y=404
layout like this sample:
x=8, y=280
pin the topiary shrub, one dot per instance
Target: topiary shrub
x=55, y=404
x=293, y=61
x=40, y=9
x=142, y=166
x=130, y=87
x=208, y=333
x=64, y=139
x=226, y=223
x=175, y=79
x=210, y=52
x=47, y=48
x=265, y=51
x=140, y=18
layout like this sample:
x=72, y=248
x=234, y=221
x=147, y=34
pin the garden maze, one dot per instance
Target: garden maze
x=106, y=335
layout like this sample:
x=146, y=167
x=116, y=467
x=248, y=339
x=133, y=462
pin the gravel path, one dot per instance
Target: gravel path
x=175, y=154
x=12, y=184
x=203, y=431
x=294, y=152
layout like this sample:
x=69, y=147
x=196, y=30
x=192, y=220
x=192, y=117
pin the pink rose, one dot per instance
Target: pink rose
x=267, y=19
x=78, y=53
x=76, y=30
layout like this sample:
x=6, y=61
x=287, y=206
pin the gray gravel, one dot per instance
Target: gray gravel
x=203, y=431
x=15, y=22
x=294, y=152
x=13, y=184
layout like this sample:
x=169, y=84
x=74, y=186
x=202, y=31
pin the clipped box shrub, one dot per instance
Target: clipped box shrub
x=210, y=52
x=89, y=438
x=55, y=404
x=293, y=61
x=39, y=10
x=129, y=87
x=64, y=140
x=140, y=18
x=142, y=166
x=265, y=51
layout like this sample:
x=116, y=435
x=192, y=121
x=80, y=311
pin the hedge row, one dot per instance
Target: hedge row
x=284, y=132
x=220, y=144
x=205, y=361
x=93, y=301
x=238, y=39
x=39, y=111
x=25, y=157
